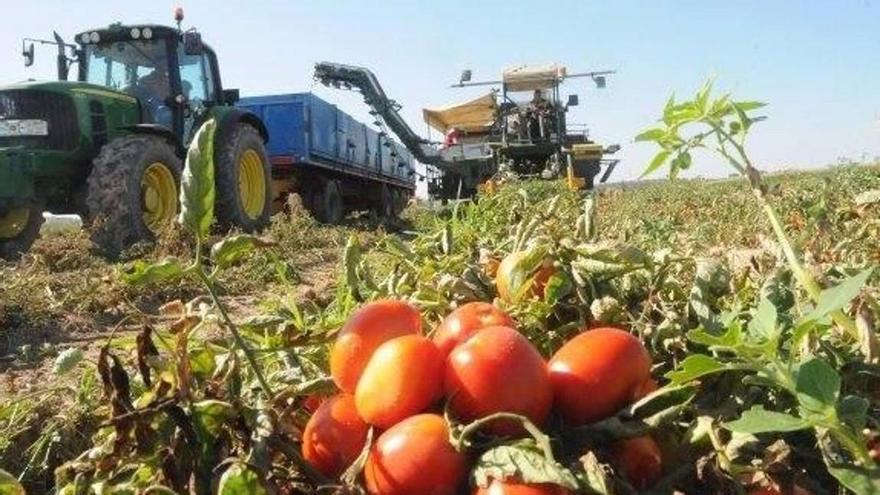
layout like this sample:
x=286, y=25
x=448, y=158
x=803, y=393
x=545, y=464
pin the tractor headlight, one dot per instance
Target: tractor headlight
x=135, y=33
x=147, y=33
x=95, y=37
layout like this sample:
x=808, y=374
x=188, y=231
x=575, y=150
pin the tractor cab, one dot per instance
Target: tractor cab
x=171, y=73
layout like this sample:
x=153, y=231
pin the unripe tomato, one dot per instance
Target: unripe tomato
x=597, y=373
x=404, y=376
x=498, y=370
x=334, y=435
x=639, y=460
x=366, y=330
x=517, y=277
x=512, y=487
x=415, y=457
x=459, y=325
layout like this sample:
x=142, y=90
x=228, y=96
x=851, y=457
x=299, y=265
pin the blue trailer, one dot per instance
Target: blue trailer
x=334, y=162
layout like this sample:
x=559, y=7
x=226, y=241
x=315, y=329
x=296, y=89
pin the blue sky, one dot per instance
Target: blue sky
x=817, y=62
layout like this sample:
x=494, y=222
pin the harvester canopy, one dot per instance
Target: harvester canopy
x=532, y=77
x=472, y=116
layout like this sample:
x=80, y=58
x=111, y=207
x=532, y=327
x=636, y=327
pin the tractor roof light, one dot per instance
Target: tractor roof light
x=135, y=33
x=147, y=33
x=94, y=37
x=85, y=38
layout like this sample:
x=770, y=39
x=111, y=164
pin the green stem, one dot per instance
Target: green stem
x=804, y=277
x=248, y=352
x=539, y=436
x=854, y=445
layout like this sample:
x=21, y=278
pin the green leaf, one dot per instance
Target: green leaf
x=759, y=420
x=818, y=385
x=860, y=480
x=651, y=135
x=839, y=296
x=732, y=337
x=9, y=484
x=682, y=161
x=693, y=367
x=239, y=479
x=66, y=361
x=763, y=324
x=197, y=184
x=142, y=273
x=747, y=106
x=524, y=462
x=229, y=250
x=658, y=161
x=211, y=416
x=853, y=410
x=558, y=286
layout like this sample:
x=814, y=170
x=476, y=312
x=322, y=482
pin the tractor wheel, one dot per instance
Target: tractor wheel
x=329, y=206
x=19, y=228
x=244, y=180
x=132, y=191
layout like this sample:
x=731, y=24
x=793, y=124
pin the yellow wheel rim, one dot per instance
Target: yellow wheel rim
x=14, y=222
x=251, y=184
x=158, y=196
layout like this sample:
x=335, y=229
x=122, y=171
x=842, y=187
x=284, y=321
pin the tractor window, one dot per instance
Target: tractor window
x=195, y=78
x=136, y=67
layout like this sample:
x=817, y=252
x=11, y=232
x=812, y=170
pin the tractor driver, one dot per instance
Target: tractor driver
x=539, y=111
x=153, y=89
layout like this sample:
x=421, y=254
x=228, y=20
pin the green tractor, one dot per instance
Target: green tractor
x=110, y=146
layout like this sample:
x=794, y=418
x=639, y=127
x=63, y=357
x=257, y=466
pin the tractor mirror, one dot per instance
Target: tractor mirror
x=231, y=96
x=192, y=43
x=28, y=54
x=572, y=101
x=600, y=81
x=465, y=76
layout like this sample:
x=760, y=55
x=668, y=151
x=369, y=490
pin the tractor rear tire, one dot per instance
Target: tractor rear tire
x=133, y=191
x=244, y=180
x=329, y=205
x=19, y=228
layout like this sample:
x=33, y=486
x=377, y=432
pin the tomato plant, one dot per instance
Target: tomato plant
x=597, y=373
x=403, y=377
x=366, y=330
x=462, y=323
x=415, y=456
x=498, y=370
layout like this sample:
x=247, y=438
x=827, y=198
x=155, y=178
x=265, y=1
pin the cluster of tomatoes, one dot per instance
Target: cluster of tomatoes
x=394, y=378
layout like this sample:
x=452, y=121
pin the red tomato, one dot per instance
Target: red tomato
x=415, y=457
x=366, y=330
x=512, y=281
x=459, y=325
x=512, y=487
x=597, y=373
x=639, y=460
x=404, y=376
x=498, y=370
x=334, y=436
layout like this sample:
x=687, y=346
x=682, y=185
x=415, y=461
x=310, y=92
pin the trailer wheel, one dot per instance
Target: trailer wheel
x=19, y=228
x=386, y=206
x=244, y=180
x=132, y=191
x=330, y=207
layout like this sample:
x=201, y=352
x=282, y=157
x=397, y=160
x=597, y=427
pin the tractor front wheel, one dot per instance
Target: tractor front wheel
x=132, y=191
x=19, y=228
x=244, y=180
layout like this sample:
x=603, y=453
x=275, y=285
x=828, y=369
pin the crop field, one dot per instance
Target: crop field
x=132, y=378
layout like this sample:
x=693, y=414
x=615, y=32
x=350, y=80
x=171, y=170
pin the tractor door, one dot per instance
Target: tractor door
x=198, y=84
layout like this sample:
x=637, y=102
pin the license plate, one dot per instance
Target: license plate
x=30, y=127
